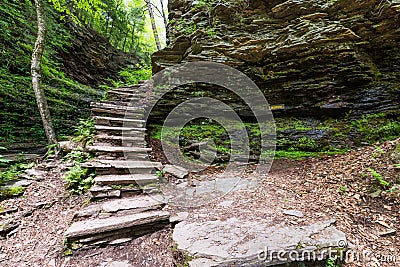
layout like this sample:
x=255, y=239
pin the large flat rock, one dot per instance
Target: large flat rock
x=236, y=242
x=96, y=226
x=139, y=179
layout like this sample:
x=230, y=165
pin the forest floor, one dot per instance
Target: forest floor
x=336, y=187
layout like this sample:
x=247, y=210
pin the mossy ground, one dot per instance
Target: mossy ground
x=296, y=137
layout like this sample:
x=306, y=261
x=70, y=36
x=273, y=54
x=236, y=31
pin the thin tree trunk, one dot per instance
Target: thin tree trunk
x=132, y=38
x=153, y=24
x=37, y=76
x=123, y=46
x=163, y=14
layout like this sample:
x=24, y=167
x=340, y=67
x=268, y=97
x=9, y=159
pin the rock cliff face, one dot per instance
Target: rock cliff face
x=91, y=59
x=316, y=57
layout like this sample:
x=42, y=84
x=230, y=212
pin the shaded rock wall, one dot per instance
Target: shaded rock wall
x=91, y=59
x=316, y=57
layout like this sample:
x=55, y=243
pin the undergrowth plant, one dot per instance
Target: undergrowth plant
x=3, y=160
x=79, y=179
x=77, y=155
x=14, y=171
x=84, y=132
x=133, y=76
x=379, y=178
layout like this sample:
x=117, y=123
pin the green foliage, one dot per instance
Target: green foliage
x=11, y=191
x=133, y=76
x=19, y=118
x=121, y=22
x=332, y=262
x=84, y=131
x=307, y=144
x=14, y=171
x=79, y=179
x=77, y=156
x=378, y=177
x=203, y=130
x=3, y=160
x=376, y=128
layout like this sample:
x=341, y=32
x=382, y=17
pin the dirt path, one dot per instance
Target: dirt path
x=333, y=187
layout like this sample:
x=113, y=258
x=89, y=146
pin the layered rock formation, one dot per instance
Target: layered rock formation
x=92, y=60
x=314, y=57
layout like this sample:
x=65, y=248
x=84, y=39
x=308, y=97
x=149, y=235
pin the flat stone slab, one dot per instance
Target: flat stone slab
x=139, y=203
x=121, y=164
x=130, y=113
x=124, y=179
x=119, y=137
x=176, y=171
x=236, y=242
x=96, y=226
x=129, y=205
x=112, y=106
x=111, y=128
x=294, y=213
x=11, y=184
x=118, y=149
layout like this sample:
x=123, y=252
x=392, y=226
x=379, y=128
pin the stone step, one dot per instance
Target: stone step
x=120, y=112
x=121, y=164
x=112, y=121
x=133, y=223
x=115, y=107
x=119, y=140
x=118, y=137
x=124, y=94
x=112, y=167
x=119, y=129
x=100, y=192
x=118, y=149
x=128, y=90
x=125, y=206
x=139, y=179
x=119, y=103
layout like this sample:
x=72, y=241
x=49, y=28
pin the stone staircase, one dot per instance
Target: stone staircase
x=126, y=201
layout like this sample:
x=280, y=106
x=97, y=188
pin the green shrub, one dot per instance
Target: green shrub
x=84, y=132
x=378, y=177
x=78, y=178
x=77, y=156
x=12, y=191
x=376, y=128
x=133, y=76
x=14, y=171
x=3, y=160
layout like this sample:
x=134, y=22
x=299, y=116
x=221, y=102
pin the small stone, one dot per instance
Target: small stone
x=387, y=207
x=176, y=171
x=117, y=264
x=33, y=173
x=387, y=233
x=375, y=194
x=227, y=203
x=120, y=241
x=295, y=213
x=52, y=263
x=179, y=217
x=23, y=183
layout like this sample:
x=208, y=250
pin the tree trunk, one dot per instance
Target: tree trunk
x=37, y=76
x=153, y=24
x=132, y=39
x=163, y=14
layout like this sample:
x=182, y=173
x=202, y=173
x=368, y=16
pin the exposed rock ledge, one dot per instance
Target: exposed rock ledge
x=244, y=243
